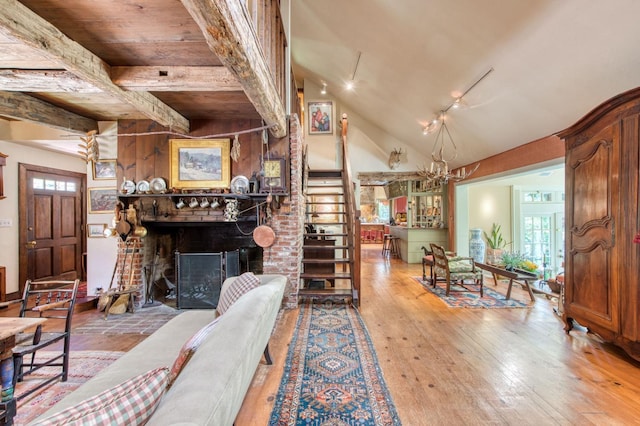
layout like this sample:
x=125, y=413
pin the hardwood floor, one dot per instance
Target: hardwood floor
x=447, y=366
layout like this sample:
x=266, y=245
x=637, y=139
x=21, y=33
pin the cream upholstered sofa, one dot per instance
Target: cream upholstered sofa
x=212, y=385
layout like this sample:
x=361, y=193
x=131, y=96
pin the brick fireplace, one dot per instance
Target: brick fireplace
x=185, y=231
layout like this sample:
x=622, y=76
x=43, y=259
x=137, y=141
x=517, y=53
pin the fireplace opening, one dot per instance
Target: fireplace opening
x=195, y=259
x=200, y=277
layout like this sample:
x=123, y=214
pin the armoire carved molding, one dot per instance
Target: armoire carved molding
x=602, y=290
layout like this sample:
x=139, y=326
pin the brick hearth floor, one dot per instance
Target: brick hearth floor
x=142, y=321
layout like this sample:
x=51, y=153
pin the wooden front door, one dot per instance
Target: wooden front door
x=51, y=223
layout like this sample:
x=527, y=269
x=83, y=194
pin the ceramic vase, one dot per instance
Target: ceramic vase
x=476, y=245
x=6, y=375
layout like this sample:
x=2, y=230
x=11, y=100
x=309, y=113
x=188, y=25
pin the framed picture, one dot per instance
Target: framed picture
x=102, y=200
x=96, y=230
x=320, y=117
x=104, y=169
x=199, y=163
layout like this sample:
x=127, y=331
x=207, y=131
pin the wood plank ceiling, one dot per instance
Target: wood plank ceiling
x=71, y=63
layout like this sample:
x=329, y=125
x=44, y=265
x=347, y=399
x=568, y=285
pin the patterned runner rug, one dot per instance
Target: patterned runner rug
x=83, y=365
x=472, y=299
x=332, y=376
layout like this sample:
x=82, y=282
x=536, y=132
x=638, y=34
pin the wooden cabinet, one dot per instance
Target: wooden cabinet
x=602, y=290
x=425, y=202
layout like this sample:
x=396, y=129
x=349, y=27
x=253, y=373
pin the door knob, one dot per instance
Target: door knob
x=31, y=244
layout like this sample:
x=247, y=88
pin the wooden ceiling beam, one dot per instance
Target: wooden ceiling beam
x=27, y=108
x=175, y=79
x=230, y=36
x=137, y=79
x=378, y=178
x=20, y=23
x=51, y=81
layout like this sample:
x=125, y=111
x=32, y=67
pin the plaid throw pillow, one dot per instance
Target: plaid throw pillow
x=188, y=349
x=130, y=403
x=237, y=288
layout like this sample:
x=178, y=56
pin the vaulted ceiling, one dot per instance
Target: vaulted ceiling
x=552, y=62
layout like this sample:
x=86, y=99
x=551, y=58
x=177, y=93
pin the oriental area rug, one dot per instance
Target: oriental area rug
x=332, y=376
x=83, y=365
x=460, y=298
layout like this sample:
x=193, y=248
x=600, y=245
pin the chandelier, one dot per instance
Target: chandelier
x=444, y=148
x=439, y=171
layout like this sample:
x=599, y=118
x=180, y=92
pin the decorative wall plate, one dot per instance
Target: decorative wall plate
x=158, y=185
x=128, y=187
x=142, y=187
x=239, y=185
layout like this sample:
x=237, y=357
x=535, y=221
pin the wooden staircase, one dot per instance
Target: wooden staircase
x=329, y=260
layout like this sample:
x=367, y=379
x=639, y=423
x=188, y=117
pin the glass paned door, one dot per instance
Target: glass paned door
x=543, y=241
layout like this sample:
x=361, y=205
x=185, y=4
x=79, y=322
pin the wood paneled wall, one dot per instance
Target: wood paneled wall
x=146, y=156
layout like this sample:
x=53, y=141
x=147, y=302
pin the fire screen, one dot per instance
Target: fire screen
x=200, y=277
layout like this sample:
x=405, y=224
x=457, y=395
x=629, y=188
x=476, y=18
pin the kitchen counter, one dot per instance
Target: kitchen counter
x=413, y=239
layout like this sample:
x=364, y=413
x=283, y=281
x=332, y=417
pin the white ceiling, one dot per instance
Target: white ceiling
x=553, y=61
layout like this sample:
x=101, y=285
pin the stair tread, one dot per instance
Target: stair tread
x=338, y=275
x=326, y=203
x=315, y=247
x=325, y=172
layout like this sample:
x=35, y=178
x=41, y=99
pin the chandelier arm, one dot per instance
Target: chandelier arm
x=455, y=148
x=439, y=136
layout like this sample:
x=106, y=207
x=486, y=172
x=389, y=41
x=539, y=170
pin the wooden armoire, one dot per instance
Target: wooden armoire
x=602, y=262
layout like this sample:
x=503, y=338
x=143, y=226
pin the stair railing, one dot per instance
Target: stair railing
x=352, y=217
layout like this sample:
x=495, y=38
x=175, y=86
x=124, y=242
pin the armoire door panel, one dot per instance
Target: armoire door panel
x=593, y=205
x=591, y=169
x=593, y=294
x=602, y=217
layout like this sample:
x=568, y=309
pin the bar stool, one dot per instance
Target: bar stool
x=394, y=248
x=386, y=243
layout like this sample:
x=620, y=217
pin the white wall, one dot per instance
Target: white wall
x=101, y=252
x=369, y=145
x=480, y=204
x=19, y=153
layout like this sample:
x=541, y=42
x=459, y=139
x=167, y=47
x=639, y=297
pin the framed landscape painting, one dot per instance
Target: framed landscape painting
x=102, y=200
x=200, y=163
x=320, y=117
x=96, y=230
x=104, y=169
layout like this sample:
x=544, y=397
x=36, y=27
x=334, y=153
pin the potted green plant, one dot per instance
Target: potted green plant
x=511, y=261
x=495, y=244
x=516, y=261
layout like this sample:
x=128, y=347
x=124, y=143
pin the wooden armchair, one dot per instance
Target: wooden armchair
x=45, y=299
x=427, y=260
x=455, y=270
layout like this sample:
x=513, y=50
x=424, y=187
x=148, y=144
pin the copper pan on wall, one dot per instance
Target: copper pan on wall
x=264, y=236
